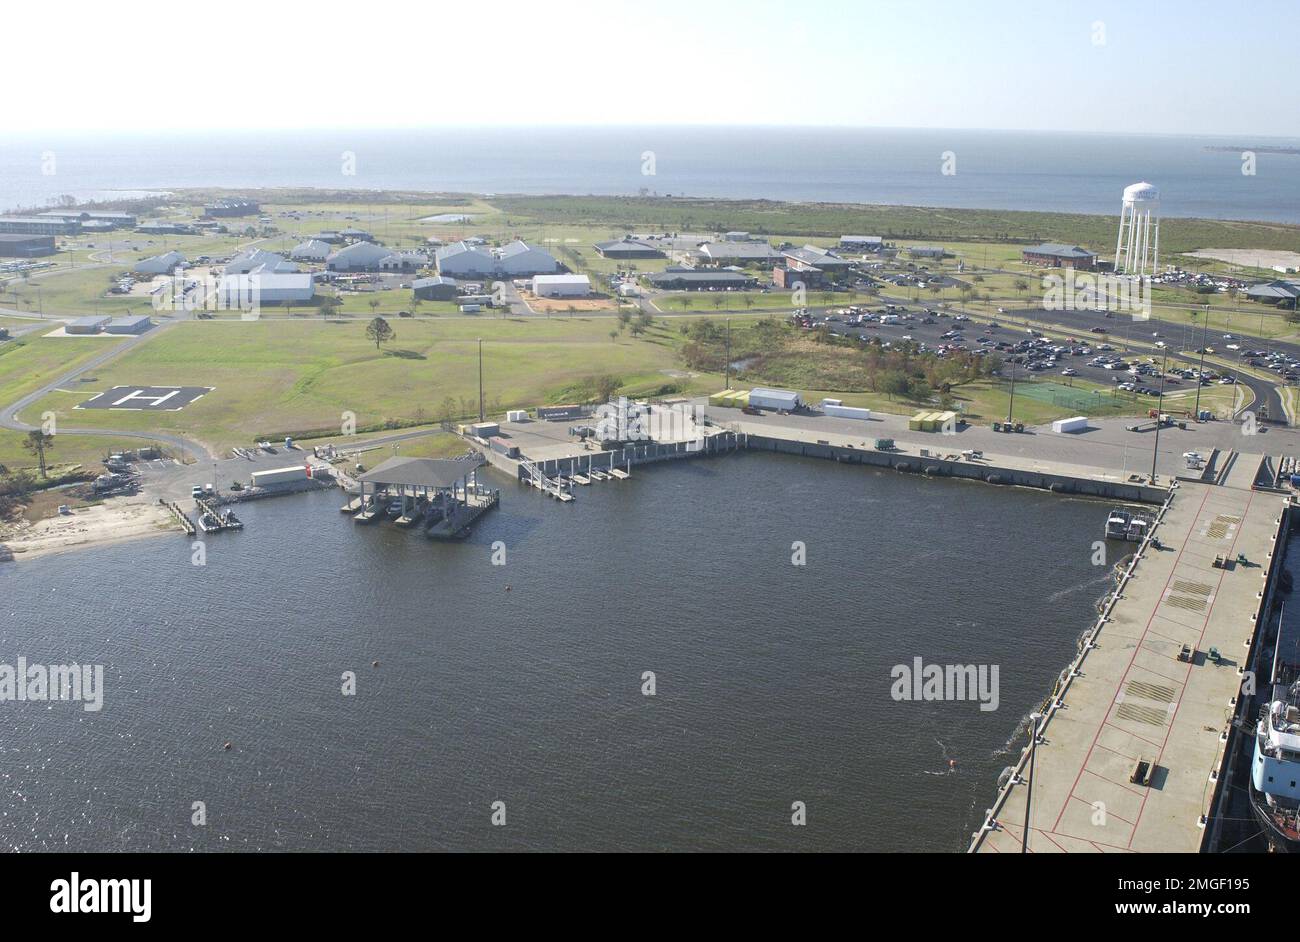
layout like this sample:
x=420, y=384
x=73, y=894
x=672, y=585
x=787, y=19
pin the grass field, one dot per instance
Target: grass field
x=293, y=376
x=27, y=364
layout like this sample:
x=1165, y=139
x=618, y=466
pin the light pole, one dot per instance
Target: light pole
x=1160, y=403
x=1029, y=782
x=480, y=379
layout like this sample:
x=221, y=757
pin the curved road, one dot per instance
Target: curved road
x=9, y=415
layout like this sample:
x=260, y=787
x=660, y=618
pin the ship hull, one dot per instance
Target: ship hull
x=1282, y=836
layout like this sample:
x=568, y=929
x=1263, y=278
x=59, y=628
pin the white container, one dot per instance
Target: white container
x=846, y=412
x=1077, y=424
x=763, y=398
x=280, y=475
x=517, y=415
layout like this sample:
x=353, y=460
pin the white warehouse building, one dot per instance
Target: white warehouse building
x=561, y=286
x=516, y=260
x=259, y=260
x=244, y=291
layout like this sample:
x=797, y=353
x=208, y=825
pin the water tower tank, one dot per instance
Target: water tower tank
x=1141, y=193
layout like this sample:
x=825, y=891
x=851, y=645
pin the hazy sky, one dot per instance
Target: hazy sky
x=1197, y=66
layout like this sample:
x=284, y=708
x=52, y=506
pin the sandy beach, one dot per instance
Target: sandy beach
x=116, y=520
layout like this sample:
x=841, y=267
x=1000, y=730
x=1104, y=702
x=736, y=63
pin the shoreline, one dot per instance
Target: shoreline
x=116, y=520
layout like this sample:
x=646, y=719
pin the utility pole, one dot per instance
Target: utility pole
x=1196, y=410
x=480, y=379
x=1012, y=403
x=726, y=383
x=1160, y=408
x=1029, y=782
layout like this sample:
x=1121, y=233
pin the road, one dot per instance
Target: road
x=182, y=446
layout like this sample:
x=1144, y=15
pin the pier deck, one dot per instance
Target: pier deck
x=1134, y=699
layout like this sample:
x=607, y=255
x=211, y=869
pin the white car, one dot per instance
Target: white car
x=1069, y=371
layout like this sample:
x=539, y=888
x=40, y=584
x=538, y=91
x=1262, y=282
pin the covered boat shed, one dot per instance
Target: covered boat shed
x=445, y=492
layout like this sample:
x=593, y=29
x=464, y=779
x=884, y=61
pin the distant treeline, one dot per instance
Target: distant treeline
x=831, y=220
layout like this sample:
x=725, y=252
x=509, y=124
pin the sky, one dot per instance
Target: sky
x=1158, y=66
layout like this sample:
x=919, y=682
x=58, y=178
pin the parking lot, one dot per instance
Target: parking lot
x=1093, y=354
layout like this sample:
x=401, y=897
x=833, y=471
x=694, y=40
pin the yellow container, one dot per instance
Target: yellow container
x=915, y=423
x=742, y=398
x=717, y=398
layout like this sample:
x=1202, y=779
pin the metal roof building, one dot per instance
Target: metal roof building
x=628, y=248
x=518, y=259
x=812, y=256
x=87, y=325
x=259, y=259
x=1057, y=255
x=437, y=288
x=359, y=256
x=245, y=291
x=1275, y=291
x=313, y=250
x=15, y=245
x=163, y=264
x=686, y=280
x=129, y=325
x=37, y=225
x=738, y=252
x=561, y=286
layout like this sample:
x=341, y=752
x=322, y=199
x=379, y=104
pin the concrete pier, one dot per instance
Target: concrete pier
x=1130, y=698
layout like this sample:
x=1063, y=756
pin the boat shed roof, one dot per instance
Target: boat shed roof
x=423, y=472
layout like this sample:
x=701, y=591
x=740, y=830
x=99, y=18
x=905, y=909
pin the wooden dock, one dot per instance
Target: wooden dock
x=181, y=516
x=457, y=526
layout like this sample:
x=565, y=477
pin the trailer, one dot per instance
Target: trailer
x=836, y=407
x=1065, y=426
x=281, y=475
x=781, y=399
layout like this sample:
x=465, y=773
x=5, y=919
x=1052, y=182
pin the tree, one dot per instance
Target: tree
x=379, y=331
x=328, y=304
x=606, y=386
x=37, y=443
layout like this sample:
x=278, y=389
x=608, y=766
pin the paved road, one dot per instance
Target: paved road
x=183, y=446
x=1108, y=444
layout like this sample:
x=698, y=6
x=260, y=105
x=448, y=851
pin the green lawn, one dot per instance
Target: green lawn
x=293, y=376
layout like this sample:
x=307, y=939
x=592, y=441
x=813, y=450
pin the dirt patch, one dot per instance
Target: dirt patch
x=563, y=304
x=1254, y=258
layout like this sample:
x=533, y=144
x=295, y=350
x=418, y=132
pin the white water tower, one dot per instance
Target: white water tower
x=1137, y=249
